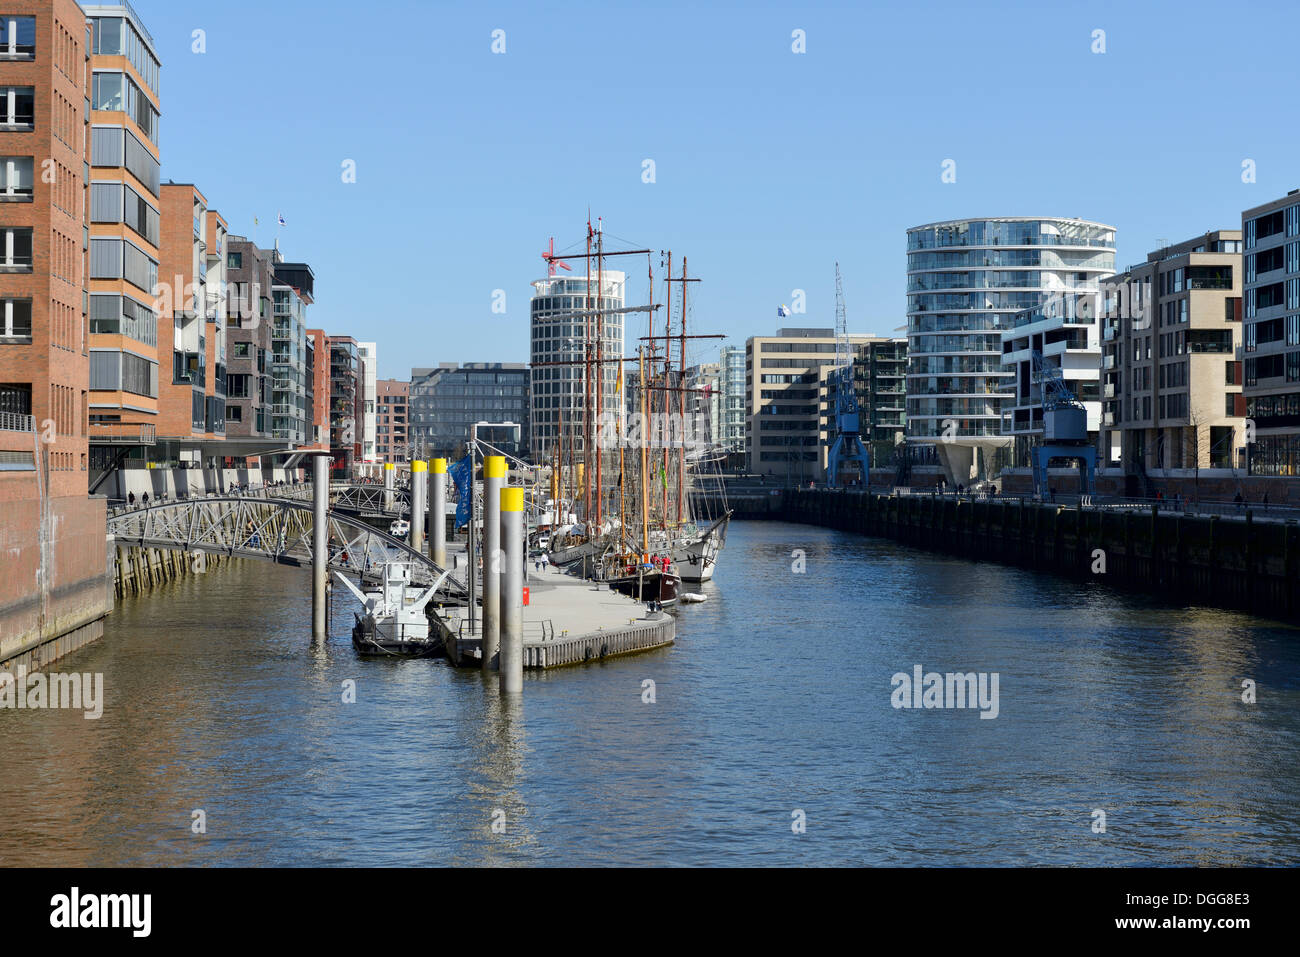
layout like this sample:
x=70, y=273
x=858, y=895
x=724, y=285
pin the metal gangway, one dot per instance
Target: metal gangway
x=277, y=530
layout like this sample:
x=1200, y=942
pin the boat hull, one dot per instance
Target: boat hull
x=371, y=640
x=652, y=586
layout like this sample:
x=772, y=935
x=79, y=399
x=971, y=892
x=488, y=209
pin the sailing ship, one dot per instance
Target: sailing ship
x=637, y=531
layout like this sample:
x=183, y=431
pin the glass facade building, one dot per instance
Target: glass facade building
x=967, y=280
x=444, y=403
x=559, y=341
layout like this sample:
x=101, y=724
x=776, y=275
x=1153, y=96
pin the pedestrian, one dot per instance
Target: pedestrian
x=130, y=499
x=1264, y=500
x=1237, y=500
x=145, y=499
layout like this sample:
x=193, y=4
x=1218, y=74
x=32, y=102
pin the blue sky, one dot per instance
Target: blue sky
x=769, y=165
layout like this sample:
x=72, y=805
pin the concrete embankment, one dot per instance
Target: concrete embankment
x=1241, y=562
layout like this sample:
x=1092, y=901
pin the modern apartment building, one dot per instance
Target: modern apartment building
x=274, y=374
x=1172, y=379
x=345, y=403
x=703, y=398
x=786, y=387
x=731, y=434
x=318, y=344
x=967, y=280
x=191, y=328
x=291, y=380
x=250, y=274
x=368, y=352
x=124, y=230
x=560, y=350
x=391, y=420
x=880, y=375
x=1061, y=335
x=1271, y=334
x=445, y=402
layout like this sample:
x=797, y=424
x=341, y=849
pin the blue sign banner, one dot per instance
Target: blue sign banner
x=462, y=474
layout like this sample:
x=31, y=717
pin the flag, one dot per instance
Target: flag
x=280, y=217
x=783, y=311
x=255, y=222
x=618, y=386
x=462, y=474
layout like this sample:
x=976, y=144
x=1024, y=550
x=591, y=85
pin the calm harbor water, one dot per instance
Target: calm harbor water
x=776, y=698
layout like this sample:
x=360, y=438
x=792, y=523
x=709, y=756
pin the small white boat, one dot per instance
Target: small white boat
x=395, y=622
x=693, y=597
x=400, y=528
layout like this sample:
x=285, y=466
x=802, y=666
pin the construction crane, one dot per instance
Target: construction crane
x=847, y=447
x=1065, y=427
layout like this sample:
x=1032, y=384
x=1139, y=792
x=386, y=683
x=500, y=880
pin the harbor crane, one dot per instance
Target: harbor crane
x=847, y=447
x=1065, y=428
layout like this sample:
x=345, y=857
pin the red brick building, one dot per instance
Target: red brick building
x=53, y=593
x=392, y=436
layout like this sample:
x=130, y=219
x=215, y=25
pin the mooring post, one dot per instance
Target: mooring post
x=494, y=473
x=390, y=479
x=511, y=533
x=438, y=511
x=419, y=482
x=320, y=559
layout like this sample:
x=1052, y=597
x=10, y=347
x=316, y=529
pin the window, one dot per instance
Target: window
x=235, y=260
x=16, y=179
x=16, y=321
x=17, y=38
x=106, y=93
x=18, y=106
x=16, y=250
x=241, y=350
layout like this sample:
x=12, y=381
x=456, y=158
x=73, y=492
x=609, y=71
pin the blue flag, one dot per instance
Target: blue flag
x=462, y=474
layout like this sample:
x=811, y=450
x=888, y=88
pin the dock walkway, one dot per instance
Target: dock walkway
x=567, y=621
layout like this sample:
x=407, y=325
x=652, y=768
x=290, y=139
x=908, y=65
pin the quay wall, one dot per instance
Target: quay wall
x=54, y=583
x=1241, y=563
x=137, y=570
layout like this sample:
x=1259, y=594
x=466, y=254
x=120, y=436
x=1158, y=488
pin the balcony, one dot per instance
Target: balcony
x=121, y=433
x=16, y=422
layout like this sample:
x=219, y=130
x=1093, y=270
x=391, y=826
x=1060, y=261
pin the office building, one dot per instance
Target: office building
x=447, y=401
x=786, y=385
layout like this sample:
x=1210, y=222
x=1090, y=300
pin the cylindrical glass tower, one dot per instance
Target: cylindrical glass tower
x=966, y=279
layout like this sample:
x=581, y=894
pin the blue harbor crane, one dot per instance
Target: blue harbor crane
x=847, y=447
x=1065, y=428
